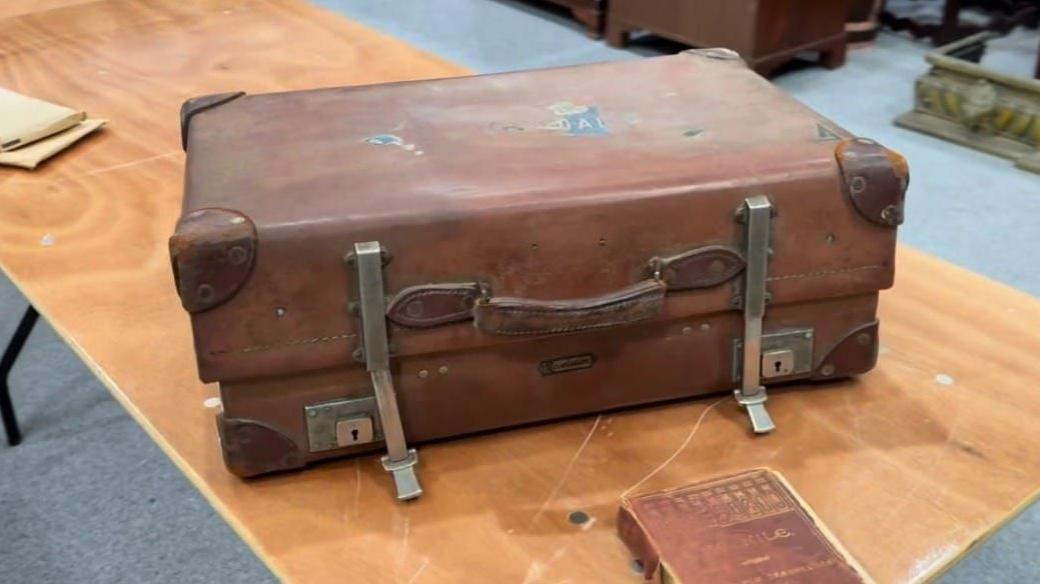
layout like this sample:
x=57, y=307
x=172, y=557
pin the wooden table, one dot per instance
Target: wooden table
x=910, y=466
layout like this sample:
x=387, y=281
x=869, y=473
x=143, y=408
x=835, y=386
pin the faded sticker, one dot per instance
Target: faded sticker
x=825, y=134
x=577, y=120
x=392, y=140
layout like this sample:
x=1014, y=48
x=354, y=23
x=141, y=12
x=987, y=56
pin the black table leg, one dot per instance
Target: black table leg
x=14, y=435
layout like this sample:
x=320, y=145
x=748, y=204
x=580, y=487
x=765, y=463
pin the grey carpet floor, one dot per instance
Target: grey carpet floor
x=89, y=498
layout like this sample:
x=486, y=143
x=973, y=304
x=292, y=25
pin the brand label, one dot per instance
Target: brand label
x=565, y=364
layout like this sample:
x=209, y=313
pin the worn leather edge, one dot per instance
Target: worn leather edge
x=212, y=252
x=519, y=316
x=875, y=179
x=200, y=104
x=637, y=541
x=703, y=267
x=252, y=448
x=431, y=305
x=853, y=354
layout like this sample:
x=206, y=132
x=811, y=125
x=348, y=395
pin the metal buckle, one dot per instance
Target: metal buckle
x=756, y=212
x=400, y=460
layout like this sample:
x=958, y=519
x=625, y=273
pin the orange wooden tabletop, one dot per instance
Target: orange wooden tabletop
x=910, y=465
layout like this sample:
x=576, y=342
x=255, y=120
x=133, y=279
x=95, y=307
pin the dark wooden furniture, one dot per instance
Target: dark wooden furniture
x=864, y=20
x=588, y=12
x=766, y=33
x=1005, y=15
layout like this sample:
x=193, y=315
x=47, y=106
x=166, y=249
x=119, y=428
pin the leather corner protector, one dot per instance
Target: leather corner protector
x=875, y=180
x=703, y=267
x=253, y=448
x=200, y=104
x=433, y=304
x=212, y=252
x=853, y=354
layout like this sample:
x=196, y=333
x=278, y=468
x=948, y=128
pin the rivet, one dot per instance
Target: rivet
x=602, y=241
x=204, y=292
x=687, y=330
x=414, y=308
x=312, y=413
x=808, y=334
x=443, y=369
x=863, y=339
x=858, y=184
x=236, y=220
x=279, y=311
x=705, y=326
x=827, y=370
x=830, y=238
x=237, y=255
x=423, y=374
x=534, y=246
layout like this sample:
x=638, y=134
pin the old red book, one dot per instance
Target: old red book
x=748, y=528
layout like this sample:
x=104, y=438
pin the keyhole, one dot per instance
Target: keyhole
x=354, y=433
x=776, y=367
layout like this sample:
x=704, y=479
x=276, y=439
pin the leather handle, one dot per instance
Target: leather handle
x=520, y=316
x=433, y=305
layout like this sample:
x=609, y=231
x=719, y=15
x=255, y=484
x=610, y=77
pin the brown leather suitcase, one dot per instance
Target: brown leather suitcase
x=371, y=267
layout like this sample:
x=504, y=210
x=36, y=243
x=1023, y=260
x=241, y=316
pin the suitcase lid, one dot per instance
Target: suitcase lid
x=278, y=186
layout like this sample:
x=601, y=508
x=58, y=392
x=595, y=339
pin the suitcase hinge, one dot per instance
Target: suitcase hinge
x=400, y=460
x=756, y=213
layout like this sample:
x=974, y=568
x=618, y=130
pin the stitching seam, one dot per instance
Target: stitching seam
x=311, y=341
x=825, y=273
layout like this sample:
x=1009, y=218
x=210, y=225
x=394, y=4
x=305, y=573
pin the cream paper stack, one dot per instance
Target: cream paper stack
x=33, y=130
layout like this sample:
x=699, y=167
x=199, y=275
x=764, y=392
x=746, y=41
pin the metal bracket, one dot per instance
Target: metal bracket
x=324, y=418
x=400, y=461
x=795, y=343
x=756, y=212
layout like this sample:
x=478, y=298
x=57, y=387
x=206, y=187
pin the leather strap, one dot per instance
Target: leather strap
x=433, y=304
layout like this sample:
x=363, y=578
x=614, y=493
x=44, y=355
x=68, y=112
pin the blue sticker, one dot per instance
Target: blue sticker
x=586, y=123
x=577, y=120
x=385, y=140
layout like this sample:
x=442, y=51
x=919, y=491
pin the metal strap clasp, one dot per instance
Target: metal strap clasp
x=400, y=460
x=756, y=213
